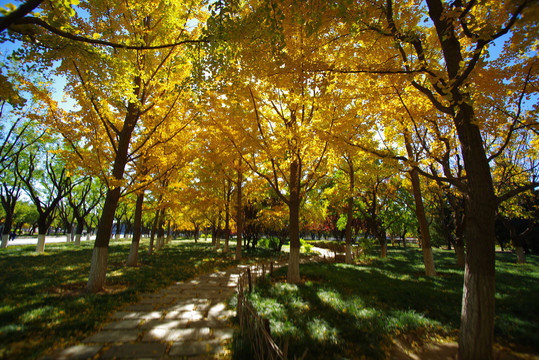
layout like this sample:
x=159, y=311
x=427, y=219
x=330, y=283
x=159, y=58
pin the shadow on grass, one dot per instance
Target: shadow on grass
x=350, y=311
x=41, y=301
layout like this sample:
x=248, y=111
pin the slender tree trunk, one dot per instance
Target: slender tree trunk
x=161, y=230
x=239, y=212
x=293, y=276
x=383, y=247
x=8, y=220
x=350, y=212
x=428, y=257
x=98, y=267
x=153, y=232
x=118, y=229
x=5, y=238
x=227, y=216
x=218, y=232
x=516, y=239
x=40, y=243
x=132, y=258
x=42, y=232
x=78, y=231
x=169, y=233
x=459, y=237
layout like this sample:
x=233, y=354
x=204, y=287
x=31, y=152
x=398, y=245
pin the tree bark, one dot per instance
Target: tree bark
x=132, y=258
x=169, y=233
x=78, y=231
x=153, y=232
x=293, y=276
x=98, y=268
x=239, y=212
x=227, y=216
x=5, y=238
x=40, y=243
x=350, y=212
x=161, y=230
x=477, y=317
x=383, y=247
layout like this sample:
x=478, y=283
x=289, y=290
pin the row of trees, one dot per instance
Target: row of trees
x=301, y=102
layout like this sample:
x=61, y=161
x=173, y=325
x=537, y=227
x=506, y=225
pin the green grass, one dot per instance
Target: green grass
x=349, y=311
x=41, y=301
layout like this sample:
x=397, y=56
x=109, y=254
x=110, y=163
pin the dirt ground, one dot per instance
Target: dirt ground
x=449, y=350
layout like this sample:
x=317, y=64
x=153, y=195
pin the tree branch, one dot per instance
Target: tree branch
x=64, y=34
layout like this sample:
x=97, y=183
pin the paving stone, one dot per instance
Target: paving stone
x=162, y=299
x=217, y=308
x=222, y=333
x=135, y=351
x=223, y=315
x=77, y=352
x=191, y=315
x=180, y=307
x=113, y=336
x=142, y=315
x=165, y=324
x=122, y=324
x=140, y=307
x=213, y=323
x=176, y=334
x=191, y=348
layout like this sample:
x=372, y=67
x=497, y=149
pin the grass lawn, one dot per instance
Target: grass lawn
x=41, y=301
x=348, y=311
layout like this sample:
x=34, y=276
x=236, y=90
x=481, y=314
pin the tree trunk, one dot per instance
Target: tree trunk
x=118, y=229
x=459, y=239
x=5, y=238
x=98, y=267
x=227, y=216
x=516, y=239
x=383, y=247
x=8, y=203
x=132, y=258
x=293, y=276
x=169, y=233
x=161, y=230
x=239, y=212
x=40, y=243
x=428, y=257
x=218, y=232
x=78, y=231
x=350, y=213
x=521, y=255
x=42, y=232
x=153, y=232
x=477, y=319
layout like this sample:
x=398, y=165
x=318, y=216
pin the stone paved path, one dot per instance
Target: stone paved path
x=188, y=320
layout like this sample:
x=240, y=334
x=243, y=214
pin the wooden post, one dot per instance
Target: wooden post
x=249, y=277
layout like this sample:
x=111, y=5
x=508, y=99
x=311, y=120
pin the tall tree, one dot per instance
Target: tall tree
x=46, y=185
x=141, y=87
